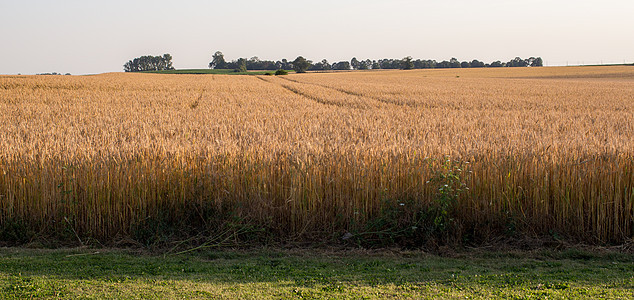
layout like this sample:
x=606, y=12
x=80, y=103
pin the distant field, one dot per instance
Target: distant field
x=373, y=159
x=213, y=71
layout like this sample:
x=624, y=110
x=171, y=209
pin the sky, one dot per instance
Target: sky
x=90, y=37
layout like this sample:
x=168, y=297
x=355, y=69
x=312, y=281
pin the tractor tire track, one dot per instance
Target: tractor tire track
x=298, y=91
x=375, y=98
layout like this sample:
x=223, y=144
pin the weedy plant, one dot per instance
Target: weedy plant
x=450, y=183
x=412, y=222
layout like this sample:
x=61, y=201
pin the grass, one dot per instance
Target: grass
x=314, y=274
x=214, y=71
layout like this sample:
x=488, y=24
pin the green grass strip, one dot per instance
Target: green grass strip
x=313, y=274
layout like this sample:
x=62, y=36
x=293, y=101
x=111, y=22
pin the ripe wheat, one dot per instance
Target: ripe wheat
x=549, y=149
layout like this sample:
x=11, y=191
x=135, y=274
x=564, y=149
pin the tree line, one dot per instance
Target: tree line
x=301, y=64
x=149, y=63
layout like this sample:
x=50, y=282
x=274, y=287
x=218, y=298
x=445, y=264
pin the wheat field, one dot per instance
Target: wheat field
x=304, y=157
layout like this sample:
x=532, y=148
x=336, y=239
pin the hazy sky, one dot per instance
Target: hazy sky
x=87, y=37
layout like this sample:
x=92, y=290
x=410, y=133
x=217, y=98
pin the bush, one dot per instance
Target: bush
x=268, y=73
x=281, y=72
x=14, y=232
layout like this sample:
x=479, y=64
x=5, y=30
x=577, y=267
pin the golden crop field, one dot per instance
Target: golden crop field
x=534, y=151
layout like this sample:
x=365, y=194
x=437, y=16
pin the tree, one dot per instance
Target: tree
x=167, y=61
x=365, y=64
x=496, y=64
x=517, y=62
x=354, y=62
x=443, y=64
x=254, y=63
x=477, y=64
x=283, y=64
x=241, y=65
x=454, y=63
x=149, y=63
x=218, y=61
x=390, y=63
x=325, y=65
x=406, y=63
x=300, y=64
x=342, y=65
x=536, y=62
x=322, y=65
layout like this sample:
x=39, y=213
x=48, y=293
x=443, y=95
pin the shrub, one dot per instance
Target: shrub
x=14, y=232
x=281, y=72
